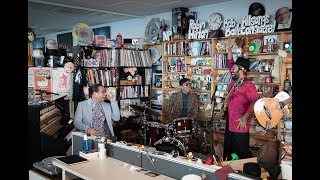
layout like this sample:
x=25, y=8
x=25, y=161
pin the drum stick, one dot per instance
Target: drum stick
x=215, y=160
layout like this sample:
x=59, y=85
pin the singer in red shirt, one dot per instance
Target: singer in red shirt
x=239, y=110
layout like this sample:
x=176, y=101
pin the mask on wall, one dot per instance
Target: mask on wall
x=31, y=34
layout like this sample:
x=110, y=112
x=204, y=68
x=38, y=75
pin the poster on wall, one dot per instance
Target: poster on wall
x=62, y=82
x=102, y=31
x=65, y=42
x=38, y=43
x=42, y=80
x=283, y=19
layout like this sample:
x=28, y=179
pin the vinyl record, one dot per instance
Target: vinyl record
x=253, y=48
x=256, y=9
x=83, y=34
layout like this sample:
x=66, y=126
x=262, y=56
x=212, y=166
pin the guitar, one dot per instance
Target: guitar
x=269, y=111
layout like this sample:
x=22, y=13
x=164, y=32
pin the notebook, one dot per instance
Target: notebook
x=72, y=159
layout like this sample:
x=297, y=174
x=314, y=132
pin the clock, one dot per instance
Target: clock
x=215, y=21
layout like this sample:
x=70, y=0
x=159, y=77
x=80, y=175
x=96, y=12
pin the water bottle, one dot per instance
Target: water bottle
x=119, y=40
x=85, y=145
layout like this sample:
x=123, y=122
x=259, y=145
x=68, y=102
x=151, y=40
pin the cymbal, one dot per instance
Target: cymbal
x=145, y=109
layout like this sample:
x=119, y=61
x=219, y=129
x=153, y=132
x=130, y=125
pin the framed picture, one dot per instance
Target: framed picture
x=65, y=42
x=283, y=18
x=38, y=43
x=102, y=31
x=157, y=80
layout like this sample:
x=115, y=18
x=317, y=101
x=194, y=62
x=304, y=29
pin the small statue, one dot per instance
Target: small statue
x=163, y=27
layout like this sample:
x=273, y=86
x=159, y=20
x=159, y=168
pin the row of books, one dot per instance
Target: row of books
x=220, y=61
x=106, y=77
x=174, y=49
x=134, y=91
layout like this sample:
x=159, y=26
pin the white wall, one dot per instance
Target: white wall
x=235, y=9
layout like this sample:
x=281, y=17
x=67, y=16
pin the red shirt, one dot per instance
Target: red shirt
x=241, y=101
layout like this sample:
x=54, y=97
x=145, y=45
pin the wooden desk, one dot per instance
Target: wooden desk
x=107, y=168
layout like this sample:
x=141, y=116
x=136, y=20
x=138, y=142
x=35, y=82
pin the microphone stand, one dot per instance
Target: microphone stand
x=41, y=91
x=145, y=123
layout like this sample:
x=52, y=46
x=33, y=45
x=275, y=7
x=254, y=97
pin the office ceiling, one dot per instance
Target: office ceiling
x=50, y=16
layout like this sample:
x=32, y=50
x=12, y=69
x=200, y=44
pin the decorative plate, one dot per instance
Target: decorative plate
x=83, y=34
x=155, y=54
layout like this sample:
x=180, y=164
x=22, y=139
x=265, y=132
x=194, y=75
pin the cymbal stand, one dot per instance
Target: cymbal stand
x=144, y=126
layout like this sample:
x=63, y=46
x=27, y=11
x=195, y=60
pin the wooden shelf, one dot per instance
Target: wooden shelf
x=221, y=69
x=169, y=80
x=175, y=56
x=199, y=56
x=259, y=54
x=198, y=65
x=267, y=84
x=257, y=73
x=283, y=36
x=198, y=74
x=154, y=88
x=174, y=72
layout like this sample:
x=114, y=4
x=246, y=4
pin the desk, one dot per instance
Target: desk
x=163, y=164
x=107, y=168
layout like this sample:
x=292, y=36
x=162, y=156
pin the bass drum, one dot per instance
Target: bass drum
x=168, y=144
x=155, y=132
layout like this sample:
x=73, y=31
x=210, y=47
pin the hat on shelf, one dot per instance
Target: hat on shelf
x=244, y=62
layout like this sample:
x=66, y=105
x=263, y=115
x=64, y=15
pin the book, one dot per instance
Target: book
x=72, y=159
x=270, y=43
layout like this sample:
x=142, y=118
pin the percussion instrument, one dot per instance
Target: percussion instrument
x=182, y=127
x=145, y=110
x=155, y=131
x=169, y=144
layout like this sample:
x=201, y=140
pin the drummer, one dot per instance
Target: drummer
x=183, y=103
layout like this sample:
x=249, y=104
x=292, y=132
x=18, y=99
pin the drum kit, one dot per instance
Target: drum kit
x=171, y=136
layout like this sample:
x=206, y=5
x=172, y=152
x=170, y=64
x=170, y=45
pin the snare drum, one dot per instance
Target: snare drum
x=182, y=127
x=155, y=132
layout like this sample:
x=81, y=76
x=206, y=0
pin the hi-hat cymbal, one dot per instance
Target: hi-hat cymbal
x=146, y=110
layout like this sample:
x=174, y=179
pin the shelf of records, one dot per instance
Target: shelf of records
x=119, y=57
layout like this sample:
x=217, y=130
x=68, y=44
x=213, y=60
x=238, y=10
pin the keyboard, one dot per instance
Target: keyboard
x=47, y=168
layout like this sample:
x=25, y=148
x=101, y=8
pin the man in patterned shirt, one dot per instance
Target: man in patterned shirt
x=94, y=116
x=239, y=108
